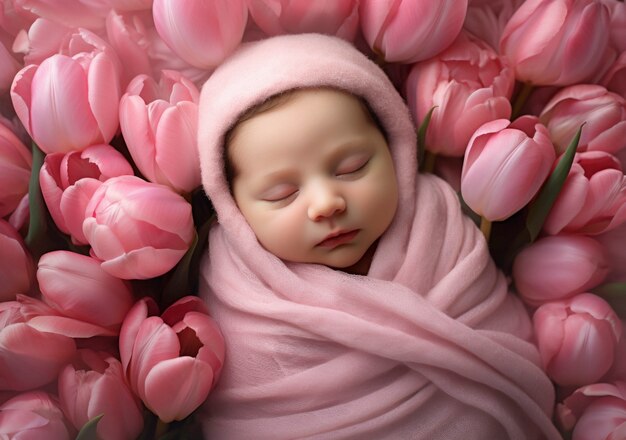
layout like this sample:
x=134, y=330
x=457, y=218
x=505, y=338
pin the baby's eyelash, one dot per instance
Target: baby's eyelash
x=280, y=196
x=353, y=169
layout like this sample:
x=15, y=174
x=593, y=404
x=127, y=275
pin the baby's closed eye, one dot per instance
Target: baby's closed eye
x=352, y=164
x=278, y=193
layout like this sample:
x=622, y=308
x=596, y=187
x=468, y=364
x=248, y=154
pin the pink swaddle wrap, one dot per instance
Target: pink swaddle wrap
x=428, y=345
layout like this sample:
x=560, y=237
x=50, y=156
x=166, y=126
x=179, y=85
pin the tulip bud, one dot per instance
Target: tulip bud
x=69, y=180
x=569, y=48
x=94, y=384
x=159, y=123
x=602, y=112
x=468, y=85
x=172, y=361
x=407, y=31
x=339, y=18
x=33, y=415
x=558, y=267
x=593, y=197
x=505, y=165
x=596, y=411
x=69, y=102
x=82, y=292
x=198, y=32
x=137, y=229
x=577, y=338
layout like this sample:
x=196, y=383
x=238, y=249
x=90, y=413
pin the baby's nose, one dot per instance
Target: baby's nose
x=325, y=202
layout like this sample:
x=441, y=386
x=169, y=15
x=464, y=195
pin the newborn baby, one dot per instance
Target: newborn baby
x=296, y=166
x=355, y=298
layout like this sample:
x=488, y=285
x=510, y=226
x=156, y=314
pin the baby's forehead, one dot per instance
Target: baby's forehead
x=283, y=99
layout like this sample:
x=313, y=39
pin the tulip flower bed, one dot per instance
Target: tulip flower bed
x=520, y=105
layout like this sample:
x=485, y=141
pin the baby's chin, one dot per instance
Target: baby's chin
x=355, y=263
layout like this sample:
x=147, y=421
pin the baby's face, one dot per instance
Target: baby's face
x=314, y=178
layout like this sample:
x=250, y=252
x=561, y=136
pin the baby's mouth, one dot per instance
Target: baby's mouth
x=338, y=238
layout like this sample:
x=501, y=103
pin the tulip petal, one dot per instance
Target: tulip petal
x=110, y=396
x=104, y=96
x=176, y=387
x=130, y=327
x=155, y=343
x=30, y=358
x=73, y=206
x=181, y=165
x=61, y=119
x=144, y=263
x=21, y=95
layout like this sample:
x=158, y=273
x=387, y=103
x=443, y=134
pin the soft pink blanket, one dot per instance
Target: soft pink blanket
x=428, y=345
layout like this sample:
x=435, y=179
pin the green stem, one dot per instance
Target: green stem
x=160, y=429
x=520, y=100
x=485, y=227
x=429, y=161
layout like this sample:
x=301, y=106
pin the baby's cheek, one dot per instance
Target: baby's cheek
x=282, y=232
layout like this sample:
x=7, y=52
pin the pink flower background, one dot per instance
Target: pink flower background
x=103, y=220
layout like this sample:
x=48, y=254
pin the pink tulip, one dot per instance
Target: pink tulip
x=159, y=123
x=556, y=42
x=14, y=255
x=407, y=31
x=33, y=415
x=596, y=412
x=68, y=180
x=136, y=228
x=172, y=361
x=577, y=338
x=29, y=358
x=94, y=384
x=602, y=112
x=593, y=198
x=558, y=267
x=505, y=165
x=15, y=168
x=468, y=84
x=70, y=102
x=339, y=17
x=204, y=32
x=88, y=300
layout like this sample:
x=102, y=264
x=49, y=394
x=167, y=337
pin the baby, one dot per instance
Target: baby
x=297, y=166
x=355, y=298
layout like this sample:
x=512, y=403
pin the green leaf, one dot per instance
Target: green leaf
x=177, y=284
x=38, y=224
x=89, y=430
x=540, y=207
x=421, y=136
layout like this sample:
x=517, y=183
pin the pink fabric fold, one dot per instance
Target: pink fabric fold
x=428, y=345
